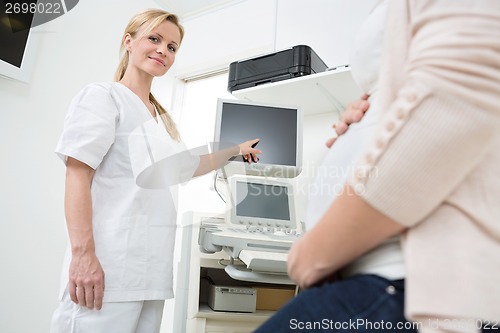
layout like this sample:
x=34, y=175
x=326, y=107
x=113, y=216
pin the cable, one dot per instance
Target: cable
x=215, y=186
x=208, y=278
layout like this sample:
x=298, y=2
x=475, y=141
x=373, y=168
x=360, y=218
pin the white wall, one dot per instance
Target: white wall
x=238, y=30
x=328, y=26
x=82, y=47
x=245, y=29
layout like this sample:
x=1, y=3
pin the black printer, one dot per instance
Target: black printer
x=297, y=61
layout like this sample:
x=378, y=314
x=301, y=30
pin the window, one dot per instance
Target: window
x=196, y=125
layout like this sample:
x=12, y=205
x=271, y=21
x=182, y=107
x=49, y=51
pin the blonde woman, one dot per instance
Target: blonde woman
x=118, y=267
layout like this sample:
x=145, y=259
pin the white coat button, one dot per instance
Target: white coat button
x=389, y=126
x=361, y=173
x=400, y=114
x=411, y=97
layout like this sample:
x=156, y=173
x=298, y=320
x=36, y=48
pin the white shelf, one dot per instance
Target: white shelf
x=324, y=92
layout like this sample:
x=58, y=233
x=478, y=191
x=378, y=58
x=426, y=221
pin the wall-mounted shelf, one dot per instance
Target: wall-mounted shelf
x=329, y=91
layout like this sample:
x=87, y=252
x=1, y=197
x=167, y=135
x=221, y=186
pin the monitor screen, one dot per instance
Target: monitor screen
x=261, y=201
x=277, y=127
x=18, y=44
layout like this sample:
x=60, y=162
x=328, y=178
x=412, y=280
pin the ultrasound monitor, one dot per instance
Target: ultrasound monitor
x=279, y=129
x=261, y=202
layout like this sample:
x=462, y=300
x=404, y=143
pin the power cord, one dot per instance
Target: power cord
x=215, y=186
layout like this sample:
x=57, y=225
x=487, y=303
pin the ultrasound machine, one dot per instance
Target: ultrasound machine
x=261, y=220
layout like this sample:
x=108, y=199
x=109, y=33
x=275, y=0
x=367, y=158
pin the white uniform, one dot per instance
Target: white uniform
x=110, y=129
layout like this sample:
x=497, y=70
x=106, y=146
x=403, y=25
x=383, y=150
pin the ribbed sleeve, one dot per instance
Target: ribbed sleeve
x=442, y=108
x=422, y=151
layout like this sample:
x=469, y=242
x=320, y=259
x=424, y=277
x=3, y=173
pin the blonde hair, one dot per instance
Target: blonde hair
x=149, y=20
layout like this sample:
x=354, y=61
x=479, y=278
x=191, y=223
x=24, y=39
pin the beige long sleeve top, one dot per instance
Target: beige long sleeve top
x=433, y=163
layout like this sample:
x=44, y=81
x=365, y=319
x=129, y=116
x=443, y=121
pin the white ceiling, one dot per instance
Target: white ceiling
x=187, y=8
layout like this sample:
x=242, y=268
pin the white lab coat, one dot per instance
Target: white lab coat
x=110, y=129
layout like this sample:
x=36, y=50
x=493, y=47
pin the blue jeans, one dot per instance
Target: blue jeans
x=362, y=303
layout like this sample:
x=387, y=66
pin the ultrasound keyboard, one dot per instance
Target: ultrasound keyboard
x=214, y=237
x=262, y=249
x=271, y=233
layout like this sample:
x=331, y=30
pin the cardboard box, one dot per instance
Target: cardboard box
x=273, y=298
